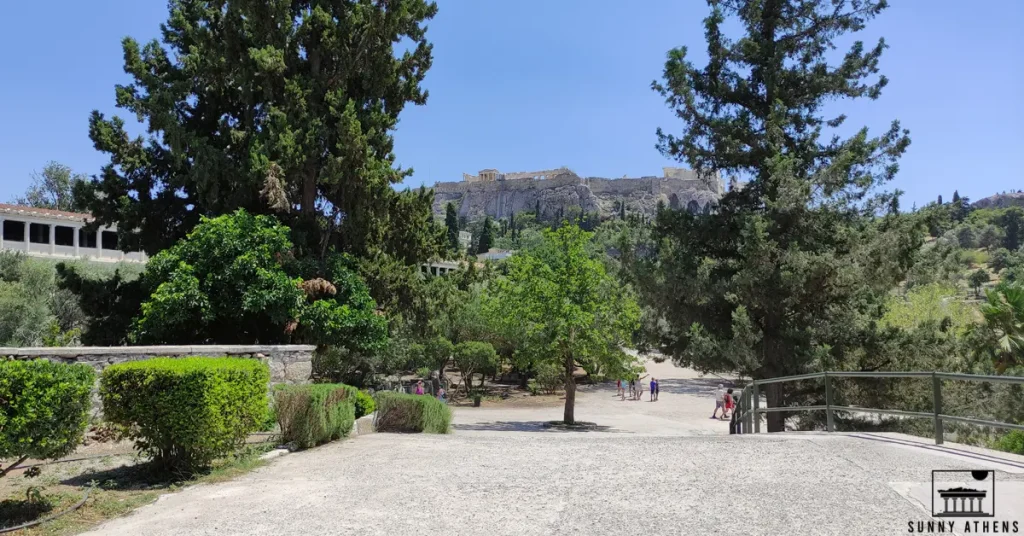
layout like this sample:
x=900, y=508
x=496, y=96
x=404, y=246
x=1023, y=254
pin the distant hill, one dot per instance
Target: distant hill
x=1012, y=199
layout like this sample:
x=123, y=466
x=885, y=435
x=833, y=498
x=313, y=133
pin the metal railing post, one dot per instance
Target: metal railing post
x=937, y=407
x=757, y=405
x=829, y=422
x=748, y=421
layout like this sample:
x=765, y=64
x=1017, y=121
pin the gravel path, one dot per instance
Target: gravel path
x=653, y=468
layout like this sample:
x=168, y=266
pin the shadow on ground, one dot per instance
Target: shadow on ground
x=530, y=426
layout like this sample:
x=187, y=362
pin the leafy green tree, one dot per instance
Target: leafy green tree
x=53, y=189
x=978, y=278
x=274, y=107
x=472, y=357
x=990, y=237
x=451, y=222
x=486, y=237
x=569, y=310
x=967, y=237
x=226, y=283
x=935, y=303
x=789, y=272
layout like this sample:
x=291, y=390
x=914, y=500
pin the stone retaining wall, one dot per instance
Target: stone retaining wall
x=288, y=363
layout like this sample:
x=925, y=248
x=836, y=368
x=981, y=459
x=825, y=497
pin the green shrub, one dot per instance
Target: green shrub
x=1012, y=442
x=310, y=415
x=549, y=377
x=44, y=408
x=397, y=412
x=364, y=404
x=186, y=412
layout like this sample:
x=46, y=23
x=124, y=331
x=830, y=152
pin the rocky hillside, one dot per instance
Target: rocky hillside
x=500, y=199
x=1012, y=199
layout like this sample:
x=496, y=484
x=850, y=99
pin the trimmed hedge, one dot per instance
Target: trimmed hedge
x=311, y=415
x=397, y=412
x=186, y=412
x=44, y=408
x=364, y=404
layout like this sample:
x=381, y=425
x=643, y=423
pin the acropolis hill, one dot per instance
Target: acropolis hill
x=497, y=194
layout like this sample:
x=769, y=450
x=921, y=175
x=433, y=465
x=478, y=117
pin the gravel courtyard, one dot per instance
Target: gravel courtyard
x=653, y=468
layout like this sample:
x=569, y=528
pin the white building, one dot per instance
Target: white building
x=59, y=235
x=494, y=254
x=435, y=268
x=465, y=239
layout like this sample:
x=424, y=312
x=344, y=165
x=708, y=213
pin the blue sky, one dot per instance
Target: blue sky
x=537, y=84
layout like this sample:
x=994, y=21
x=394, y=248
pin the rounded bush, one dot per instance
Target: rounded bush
x=186, y=412
x=364, y=404
x=44, y=408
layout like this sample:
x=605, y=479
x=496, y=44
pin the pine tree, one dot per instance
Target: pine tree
x=451, y=221
x=486, y=237
x=756, y=111
x=956, y=197
x=536, y=210
x=940, y=199
x=622, y=210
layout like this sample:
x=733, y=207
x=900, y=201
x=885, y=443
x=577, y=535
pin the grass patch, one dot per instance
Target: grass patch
x=977, y=257
x=119, y=487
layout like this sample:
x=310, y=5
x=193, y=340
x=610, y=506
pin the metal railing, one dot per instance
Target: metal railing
x=747, y=417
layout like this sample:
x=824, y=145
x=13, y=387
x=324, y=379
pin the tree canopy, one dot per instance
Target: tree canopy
x=285, y=107
x=53, y=189
x=570, y=311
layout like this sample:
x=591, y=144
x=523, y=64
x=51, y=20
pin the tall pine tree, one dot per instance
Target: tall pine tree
x=786, y=275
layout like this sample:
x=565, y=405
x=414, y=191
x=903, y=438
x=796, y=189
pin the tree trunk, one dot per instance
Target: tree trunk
x=570, y=393
x=776, y=420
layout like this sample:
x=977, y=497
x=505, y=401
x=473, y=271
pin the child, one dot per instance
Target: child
x=654, y=389
x=729, y=405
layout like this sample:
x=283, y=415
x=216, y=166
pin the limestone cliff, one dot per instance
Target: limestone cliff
x=500, y=198
x=1012, y=199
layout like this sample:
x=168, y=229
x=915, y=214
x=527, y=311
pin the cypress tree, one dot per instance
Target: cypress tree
x=451, y=221
x=486, y=237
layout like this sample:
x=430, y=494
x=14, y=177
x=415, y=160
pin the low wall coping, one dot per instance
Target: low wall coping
x=197, y=350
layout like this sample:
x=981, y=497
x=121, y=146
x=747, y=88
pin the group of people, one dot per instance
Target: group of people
x=726, y=401
x=442, y=395
x=635, y=386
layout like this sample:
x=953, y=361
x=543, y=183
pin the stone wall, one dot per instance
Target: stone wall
x=288, y=363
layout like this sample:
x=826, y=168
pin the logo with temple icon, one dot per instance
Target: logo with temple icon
x=963, y=493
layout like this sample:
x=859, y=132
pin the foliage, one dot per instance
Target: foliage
x=1012, y=221
x=1004, y=322
x=226, y=282
x=53, y=189
x=310, y=415
x=486, y=241
x=185, y=412
x=45, y=408
x=108, y=303
x=565, y=307
x=364, y=404
x=451, y=223
x=472, y=357
x=1012, y=442
x=934, y=303
x=978, y=278
x=549, y=377
x=280, y=107
x=789, y=273
x=398, y=412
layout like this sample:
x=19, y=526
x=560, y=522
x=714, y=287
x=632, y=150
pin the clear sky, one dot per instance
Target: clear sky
x=537, y=84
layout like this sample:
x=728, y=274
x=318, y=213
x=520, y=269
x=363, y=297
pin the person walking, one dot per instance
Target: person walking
x=640, y=387
x=654, y=389
x=618, y=387
x=719, y=401
x=729, y=405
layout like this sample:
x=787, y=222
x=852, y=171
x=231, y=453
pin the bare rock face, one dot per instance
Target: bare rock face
x=1012, y=199
x=500, y=199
